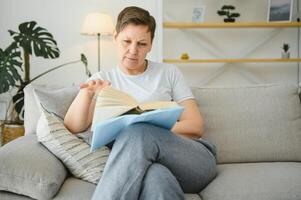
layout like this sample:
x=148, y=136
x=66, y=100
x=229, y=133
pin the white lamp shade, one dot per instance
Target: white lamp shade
x=97, y=23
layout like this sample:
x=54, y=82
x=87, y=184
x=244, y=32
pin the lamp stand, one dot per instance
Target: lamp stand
x=98, y=52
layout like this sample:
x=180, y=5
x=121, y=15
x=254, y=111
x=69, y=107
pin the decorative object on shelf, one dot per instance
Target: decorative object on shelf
x=285, y=53
x=198, y=14
x=30, y=40
x=98, y=24
x=227, y=11
x=184, y=56
x=280, y=10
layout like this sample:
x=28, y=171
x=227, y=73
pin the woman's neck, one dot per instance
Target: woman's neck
x=136, y=71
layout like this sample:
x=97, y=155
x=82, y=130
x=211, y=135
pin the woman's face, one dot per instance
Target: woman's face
x=133, y=43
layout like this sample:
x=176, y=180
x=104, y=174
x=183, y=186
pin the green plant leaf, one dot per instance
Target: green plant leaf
x=10, y=65
x=233, y=15
x=18, y=100
x=84, y=60
x=36, y=39
x=221, y=12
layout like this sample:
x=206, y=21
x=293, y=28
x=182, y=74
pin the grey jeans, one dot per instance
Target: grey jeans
x=149, y=162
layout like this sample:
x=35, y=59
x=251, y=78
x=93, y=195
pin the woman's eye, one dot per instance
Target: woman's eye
x=127, y=41
x=142, y=44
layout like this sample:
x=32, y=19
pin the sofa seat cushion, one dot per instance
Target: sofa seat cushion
x=75, y=189
x=28, y=168
x=192, y=197
x=12, y=196
x=248, y=181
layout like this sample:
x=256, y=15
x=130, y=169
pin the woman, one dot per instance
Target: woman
x=147, y=162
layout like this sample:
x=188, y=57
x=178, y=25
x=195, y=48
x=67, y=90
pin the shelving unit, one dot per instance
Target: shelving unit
x=209, y=44
x=193, y=25
x=238, y=60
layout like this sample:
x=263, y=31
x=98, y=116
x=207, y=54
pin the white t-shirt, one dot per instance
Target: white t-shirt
x=159, y=82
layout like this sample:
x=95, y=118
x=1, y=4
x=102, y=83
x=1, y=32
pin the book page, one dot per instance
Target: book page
x=112, y=102
x=157, y=105
x=113, y=97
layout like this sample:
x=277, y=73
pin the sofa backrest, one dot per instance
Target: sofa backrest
x=252, y=123
x=247, y=124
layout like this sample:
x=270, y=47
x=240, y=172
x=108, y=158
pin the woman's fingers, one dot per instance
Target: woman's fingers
x=95, y=85
x=83, y=85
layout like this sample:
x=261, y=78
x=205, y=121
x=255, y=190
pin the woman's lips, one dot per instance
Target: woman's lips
x=132, y=58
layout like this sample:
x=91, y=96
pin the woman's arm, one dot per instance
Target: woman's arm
x=191, y=122
x=80, y=113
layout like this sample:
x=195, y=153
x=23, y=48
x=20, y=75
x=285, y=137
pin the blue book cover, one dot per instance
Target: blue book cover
x=106, y=131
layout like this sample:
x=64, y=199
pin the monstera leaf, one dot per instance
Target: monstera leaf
x=18, y=100
x=84, y=60
x=36, y=39
x=10, y=63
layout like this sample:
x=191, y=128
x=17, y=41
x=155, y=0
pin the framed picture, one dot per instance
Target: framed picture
x=280, y=10
x=198, y=14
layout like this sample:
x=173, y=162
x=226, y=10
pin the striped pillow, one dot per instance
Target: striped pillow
x=70, y=149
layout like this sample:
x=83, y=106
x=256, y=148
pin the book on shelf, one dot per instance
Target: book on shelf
x=115, y=110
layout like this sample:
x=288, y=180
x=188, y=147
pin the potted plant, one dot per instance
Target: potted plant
x=227, y=11
x=285, y=53
x=15, y=70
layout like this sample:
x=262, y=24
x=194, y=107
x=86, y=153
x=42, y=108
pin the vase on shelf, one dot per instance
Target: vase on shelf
x=285, y=55
x=229, y=20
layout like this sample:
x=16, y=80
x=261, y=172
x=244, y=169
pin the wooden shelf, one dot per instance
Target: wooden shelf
x=239, y=60
x=186, y=25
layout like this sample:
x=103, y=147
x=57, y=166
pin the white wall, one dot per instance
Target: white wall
x=64, y=18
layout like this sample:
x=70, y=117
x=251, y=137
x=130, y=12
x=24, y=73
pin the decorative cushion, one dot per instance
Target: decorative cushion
x=71, y=150
x=28, y=168
x=54, y=98
x=252, y=123
x=57, y=101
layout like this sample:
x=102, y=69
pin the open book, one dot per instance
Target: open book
x=115, y=110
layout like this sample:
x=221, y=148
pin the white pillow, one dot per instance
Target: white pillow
x=70, y=149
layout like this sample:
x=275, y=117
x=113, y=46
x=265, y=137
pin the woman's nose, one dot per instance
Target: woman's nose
x=133, y=49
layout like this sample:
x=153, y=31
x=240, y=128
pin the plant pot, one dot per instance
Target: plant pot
x=229, y=20
x=11, y=132
x=285, y=55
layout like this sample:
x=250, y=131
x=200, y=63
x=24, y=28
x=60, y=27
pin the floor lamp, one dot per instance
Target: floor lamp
x=97, y=24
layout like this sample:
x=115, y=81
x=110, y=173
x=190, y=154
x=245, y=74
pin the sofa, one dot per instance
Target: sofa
x=256, y=130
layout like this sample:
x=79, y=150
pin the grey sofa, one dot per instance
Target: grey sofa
x=256, y=129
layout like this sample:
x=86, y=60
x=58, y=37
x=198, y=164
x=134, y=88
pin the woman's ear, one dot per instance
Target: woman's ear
x=115, y=36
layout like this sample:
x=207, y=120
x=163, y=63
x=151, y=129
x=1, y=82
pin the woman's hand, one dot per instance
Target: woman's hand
x=83, y=104
x=94, y=86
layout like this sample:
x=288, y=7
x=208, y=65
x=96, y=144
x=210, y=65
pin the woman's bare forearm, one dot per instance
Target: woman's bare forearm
x=188, y=128
x=80, y=113
x=191, y=123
